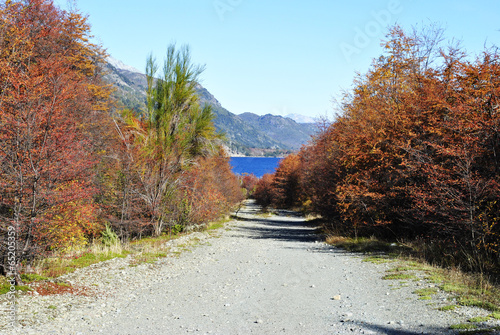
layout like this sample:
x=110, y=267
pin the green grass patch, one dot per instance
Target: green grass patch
x=448, y=308
x=63, y=284
x=400, y=276
x=463, y=326
x=148, y=257
x=454, y=288
x=400, y=269
x=434, y=277
x=479, y=319
x=362, y=244
x=472, y=302
x=52, y=307
x=406, y=267
x=495, y=315
x=425, y=297
x=31, y=277
x=218, y=224
x=378, y=259
x=5, y=288
x=56, y=266
x=426, y=291
x=215, y=226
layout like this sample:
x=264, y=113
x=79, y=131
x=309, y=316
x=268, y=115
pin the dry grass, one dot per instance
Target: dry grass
x=469, y=289
x=366, y=245
x=146, y=250
x=61, y=263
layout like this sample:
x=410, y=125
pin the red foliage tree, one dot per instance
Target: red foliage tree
x=286, y=182
x=414, y=154
x=209, y=189
x=264, y=191
x=49, y=87
x=249, y=182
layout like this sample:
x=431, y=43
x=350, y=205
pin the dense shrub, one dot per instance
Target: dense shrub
x=248, y=183
x=263, y=193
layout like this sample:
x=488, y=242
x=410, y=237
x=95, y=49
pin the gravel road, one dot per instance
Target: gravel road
x=262, y=274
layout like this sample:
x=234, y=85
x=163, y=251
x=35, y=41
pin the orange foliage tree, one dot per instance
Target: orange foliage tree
x=209, y=190
x=248, y=182
x=286, y=182
x=414, y=153
x=50, y=91
x=264, y=191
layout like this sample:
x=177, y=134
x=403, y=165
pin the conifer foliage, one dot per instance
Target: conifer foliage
x=171, y=153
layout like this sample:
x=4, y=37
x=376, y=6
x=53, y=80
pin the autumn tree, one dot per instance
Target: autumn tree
x=49, y=87
x=209, y=189
x=320, y=173
x=248, y=182
x=264, y=191
x=414, y=152
x=286, y=182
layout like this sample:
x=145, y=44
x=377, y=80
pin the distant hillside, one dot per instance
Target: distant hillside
x=241, y=136
x=282, y=129
x=247, y=134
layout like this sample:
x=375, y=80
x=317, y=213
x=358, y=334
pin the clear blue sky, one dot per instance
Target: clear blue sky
x=282, y=56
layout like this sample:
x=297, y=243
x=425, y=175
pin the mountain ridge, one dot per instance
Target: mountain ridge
x=268, y=135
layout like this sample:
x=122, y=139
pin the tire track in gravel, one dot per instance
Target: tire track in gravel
x=265, y=275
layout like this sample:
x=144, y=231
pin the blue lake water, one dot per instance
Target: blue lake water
x=256, y=165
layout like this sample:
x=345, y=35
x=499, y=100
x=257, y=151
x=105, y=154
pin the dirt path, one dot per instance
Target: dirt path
x=263, y=275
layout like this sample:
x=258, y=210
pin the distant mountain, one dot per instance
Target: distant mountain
x=118, y=64
x=247, y=134
x=130, y=86
x=301, y=118
x=281, y=129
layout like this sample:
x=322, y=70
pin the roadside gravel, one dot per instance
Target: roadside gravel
x=260, y=275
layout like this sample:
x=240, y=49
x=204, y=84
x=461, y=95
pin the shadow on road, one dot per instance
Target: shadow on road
x=282, y=225
x=387, y=330
x=292, y=227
